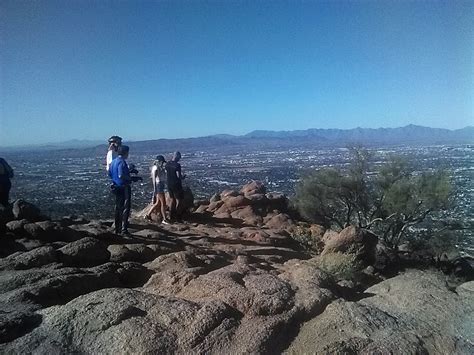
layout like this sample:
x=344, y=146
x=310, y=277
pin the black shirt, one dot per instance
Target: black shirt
x=172, y=169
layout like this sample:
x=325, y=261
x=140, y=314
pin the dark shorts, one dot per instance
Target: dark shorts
x=160, y=188
x=176, y=191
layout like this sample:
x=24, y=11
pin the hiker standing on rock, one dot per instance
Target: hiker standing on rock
x=158, y=176
x=175, y=186
x=120, y=175
x=114, y=143
x=6, y=173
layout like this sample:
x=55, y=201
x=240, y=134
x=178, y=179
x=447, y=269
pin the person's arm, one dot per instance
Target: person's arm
x=155, y=173
x=178, y=172
x=109, y=159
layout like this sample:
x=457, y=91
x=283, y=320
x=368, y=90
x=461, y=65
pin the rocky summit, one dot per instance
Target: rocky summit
x=230, y=279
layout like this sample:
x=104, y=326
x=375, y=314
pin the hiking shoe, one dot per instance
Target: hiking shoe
x=126, y=234
x=165, y=222
x=147, y=217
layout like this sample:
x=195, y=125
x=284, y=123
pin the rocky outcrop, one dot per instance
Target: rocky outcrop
x=251, y=206
x=353, y=240
x=215, y=284
x=24, y=210
x=412, y=313
x=84, y=252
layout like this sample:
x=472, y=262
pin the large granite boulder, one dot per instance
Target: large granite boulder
x=84, y=252
x=48, y=231
x=25, y=210
x=236, y=201
x=96, y=230
x=254, y=187
x=352, y=240
x=122, y=321
x=413, y=313
x=30, y=259
x=17, y=226
x=250, y=206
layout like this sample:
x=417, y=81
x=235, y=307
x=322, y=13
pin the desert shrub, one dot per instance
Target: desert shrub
x=308, y=239
x=389, y=200
x=435, y=243
x=341, y=266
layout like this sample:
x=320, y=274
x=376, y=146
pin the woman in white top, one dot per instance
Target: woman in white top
x=158, y=177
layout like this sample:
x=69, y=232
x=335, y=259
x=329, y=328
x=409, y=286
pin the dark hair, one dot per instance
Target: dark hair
x=160, y=159
x=115, y=139
x=123, y=149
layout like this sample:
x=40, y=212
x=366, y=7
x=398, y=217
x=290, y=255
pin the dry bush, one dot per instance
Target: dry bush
x=309, y=238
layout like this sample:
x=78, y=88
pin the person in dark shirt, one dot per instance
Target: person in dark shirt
x=6, y=173
x=120, y=175
x=175, y=187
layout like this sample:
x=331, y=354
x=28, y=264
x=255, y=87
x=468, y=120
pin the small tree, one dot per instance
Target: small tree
x=331, y=197
x=408, y=201
x=388, y=203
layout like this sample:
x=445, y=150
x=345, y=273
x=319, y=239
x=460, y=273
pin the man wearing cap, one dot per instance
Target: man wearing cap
x=120, y=175
x=114, y=143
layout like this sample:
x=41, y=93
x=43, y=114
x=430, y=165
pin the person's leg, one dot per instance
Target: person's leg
x=179, y=203
x=127, y=205
x=119, y=202
x=172, y=203
x=162, y=198
x=154, y=207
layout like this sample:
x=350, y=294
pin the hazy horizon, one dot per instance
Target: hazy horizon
x=102, y=140
x=167, y=69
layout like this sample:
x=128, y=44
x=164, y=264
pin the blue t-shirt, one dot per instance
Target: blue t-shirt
x=119, y=172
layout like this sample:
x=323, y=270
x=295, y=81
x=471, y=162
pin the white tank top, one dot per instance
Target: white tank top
x=160, y=176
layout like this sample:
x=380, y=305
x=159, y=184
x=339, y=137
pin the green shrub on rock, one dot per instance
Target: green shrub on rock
x=390, y=200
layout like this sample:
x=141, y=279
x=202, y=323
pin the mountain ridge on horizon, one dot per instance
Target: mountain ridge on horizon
x=407, y=134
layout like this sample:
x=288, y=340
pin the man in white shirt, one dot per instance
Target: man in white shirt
x=114, y=143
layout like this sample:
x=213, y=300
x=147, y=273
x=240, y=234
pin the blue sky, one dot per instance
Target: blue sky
x=158, y=69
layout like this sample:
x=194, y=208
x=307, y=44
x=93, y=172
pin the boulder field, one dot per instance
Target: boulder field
x=231, y=279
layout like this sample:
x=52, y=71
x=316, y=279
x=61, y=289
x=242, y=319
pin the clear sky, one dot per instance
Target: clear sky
x=164, y=69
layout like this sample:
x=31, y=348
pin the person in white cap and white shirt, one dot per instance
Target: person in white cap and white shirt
x=114, y=143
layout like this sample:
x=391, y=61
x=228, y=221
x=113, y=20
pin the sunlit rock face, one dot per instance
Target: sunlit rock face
x=230, y=279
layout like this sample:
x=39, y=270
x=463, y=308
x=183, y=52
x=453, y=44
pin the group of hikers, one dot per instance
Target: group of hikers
x=166, y=177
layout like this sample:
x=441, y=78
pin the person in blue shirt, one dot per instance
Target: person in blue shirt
x=120, y=175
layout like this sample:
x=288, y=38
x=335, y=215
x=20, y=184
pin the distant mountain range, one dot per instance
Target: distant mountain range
x=70, y=144
x=411, y=134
